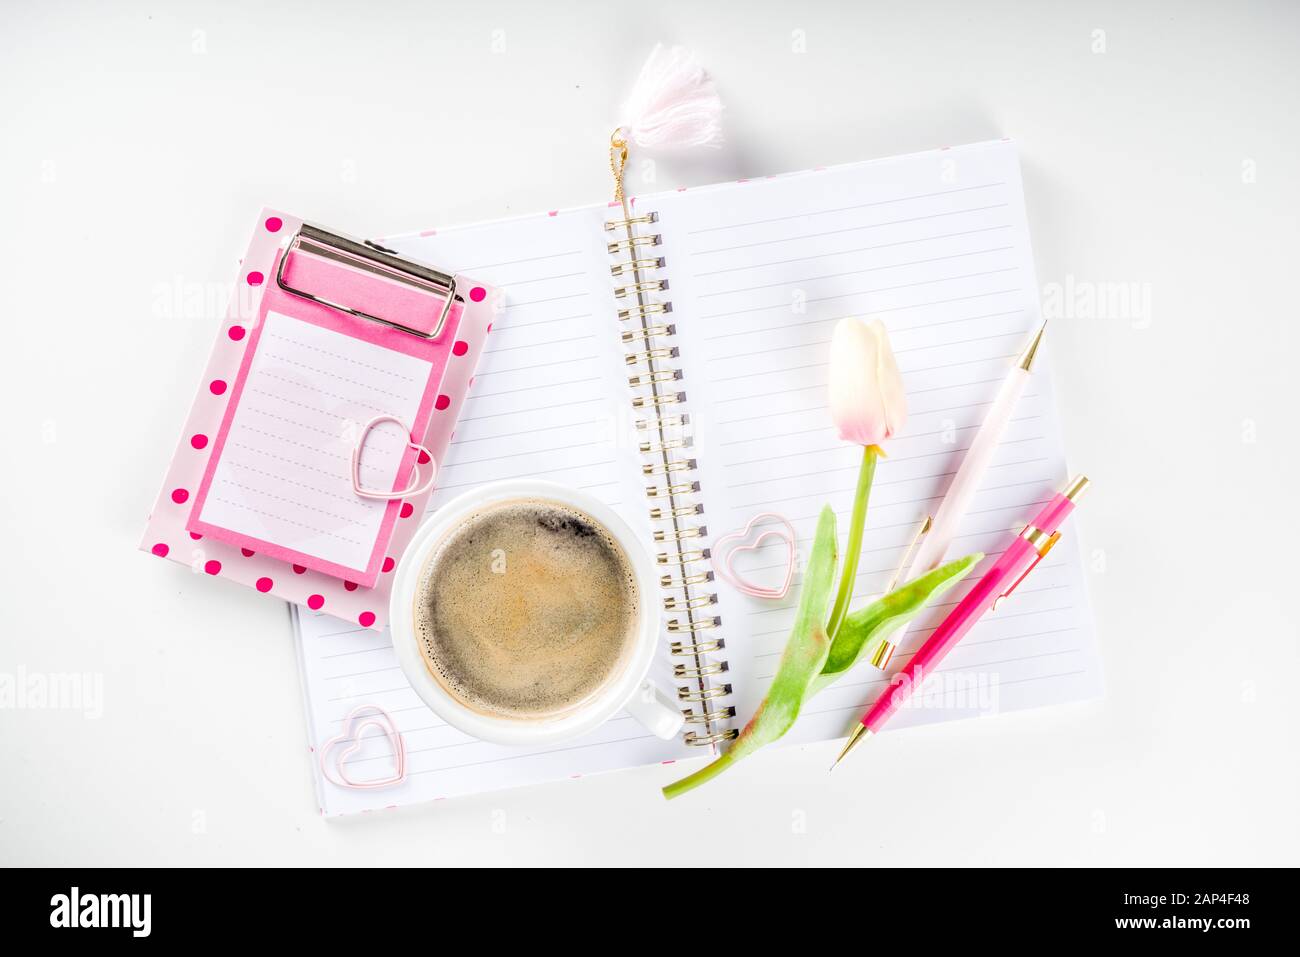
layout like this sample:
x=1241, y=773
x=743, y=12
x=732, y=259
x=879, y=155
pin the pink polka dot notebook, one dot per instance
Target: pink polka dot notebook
x=334, y=386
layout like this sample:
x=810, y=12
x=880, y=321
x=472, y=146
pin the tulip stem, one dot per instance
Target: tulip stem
x=857, y=524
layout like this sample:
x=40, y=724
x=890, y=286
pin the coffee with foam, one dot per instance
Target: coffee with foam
x=526, y=610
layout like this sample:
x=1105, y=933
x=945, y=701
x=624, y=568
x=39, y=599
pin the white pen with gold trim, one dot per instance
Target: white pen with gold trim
x=943, y=526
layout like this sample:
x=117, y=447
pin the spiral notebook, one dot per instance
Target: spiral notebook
x=669, y=355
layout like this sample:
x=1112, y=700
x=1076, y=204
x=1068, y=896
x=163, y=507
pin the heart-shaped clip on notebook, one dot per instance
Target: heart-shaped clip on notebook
x=354, y=726
x=422, y=454
x=724, y=557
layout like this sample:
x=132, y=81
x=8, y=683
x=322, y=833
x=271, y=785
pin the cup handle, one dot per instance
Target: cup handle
x=657, y=712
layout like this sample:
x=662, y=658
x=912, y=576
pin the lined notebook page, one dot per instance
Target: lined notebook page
x=308, y=391
x=547, y=402
x=936, y=245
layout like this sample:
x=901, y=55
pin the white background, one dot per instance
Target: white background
x=137, y=141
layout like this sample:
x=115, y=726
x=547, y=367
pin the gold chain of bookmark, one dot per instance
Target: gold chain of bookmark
x=617, y=161
x=656, y=386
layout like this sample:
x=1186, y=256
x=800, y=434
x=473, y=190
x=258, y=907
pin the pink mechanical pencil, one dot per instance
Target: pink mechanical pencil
x=1027, y=550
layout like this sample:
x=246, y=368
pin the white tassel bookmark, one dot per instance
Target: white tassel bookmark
x=673, y=105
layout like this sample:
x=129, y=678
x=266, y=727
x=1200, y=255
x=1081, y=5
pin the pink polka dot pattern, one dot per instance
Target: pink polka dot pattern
x=315, y=602
x=365, y=604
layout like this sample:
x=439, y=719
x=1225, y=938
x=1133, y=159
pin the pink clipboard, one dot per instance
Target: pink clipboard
x=323, y=333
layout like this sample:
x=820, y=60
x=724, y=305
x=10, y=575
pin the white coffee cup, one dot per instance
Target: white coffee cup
x=630, y=689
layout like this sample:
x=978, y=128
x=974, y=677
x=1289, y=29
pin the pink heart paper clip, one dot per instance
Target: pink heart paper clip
x=336, y=771
x=724, y=559
x=410, y=443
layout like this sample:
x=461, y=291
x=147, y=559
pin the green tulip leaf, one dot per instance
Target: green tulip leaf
x=865, y=629
x=802, y=661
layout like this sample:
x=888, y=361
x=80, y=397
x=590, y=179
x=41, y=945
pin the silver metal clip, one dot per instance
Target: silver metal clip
x=369, y=257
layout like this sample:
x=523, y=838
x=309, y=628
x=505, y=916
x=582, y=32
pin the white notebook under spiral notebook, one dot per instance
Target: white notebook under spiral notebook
x=937, y=246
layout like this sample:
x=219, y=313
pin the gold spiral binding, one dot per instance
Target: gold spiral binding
x=635, y=242
x=705, y=716
x=663, y=422
x=679, y=534
x=636, y=265
x=657, y=401
x=676, y=514
x=666, y=468
x=647, y=285
x=650, y=448
x=649, y=309
x=685, y=693
x=716, y=668
x=676, y=626
x=686, y=581
x=697, y=648
x=699, y=601
x=651, y=378
x=683, y=557
x=681, y=488
x=717, y=737
x=646, y=220
x=646, y=355
x=634, y=335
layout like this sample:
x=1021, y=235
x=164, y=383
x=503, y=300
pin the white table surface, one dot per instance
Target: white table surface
x=140, y=138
